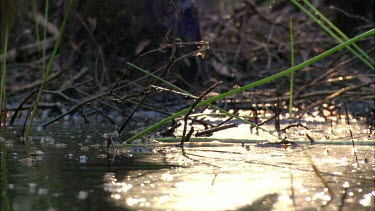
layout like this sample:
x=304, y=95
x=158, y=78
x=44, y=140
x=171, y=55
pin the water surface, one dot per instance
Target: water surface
x=73, y=172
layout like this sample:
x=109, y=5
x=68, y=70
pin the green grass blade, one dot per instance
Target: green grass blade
x=337, y=30
x=325, y=28
x=35, y=13
x=48, y=70
x=3, y=75
x=46, y=8
x=254, y=84
x=292, y=65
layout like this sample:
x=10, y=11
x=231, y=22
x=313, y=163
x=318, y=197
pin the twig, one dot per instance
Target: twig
x=351, y=133
x=170, y=131
x=277, y=111
x=144, y=93
x=174, y=92
x=343, y=198
x=351, y=15
x=294, y=125
x=20, y=106
x=106, y=138
x=87, y=119
x=330, y=97
x=75, y=107
x=216, y=129
x=312, y=141
x=172, y=60
x=228, y=119
x=34, y=84
x=183, y=139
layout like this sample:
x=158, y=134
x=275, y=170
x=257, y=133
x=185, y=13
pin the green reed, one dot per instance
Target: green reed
x=356, y=51
x=3, y=78
x=48, y=70
x=35, y=14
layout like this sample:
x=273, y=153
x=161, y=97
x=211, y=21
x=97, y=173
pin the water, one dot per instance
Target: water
x=67, y=168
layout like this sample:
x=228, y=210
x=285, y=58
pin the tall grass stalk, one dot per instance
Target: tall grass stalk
x=254, y=84
x=35, y=14
x=48, y=70
x=46, y=8
x=4, y=78
x=362, y=57
x=291, y=65
x=337, y=30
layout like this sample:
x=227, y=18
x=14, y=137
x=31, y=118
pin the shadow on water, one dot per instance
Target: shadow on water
x=67, y=168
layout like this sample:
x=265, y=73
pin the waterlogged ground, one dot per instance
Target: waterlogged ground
x=66, y=168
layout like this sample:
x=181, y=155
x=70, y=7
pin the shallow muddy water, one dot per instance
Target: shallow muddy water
x=66, y=168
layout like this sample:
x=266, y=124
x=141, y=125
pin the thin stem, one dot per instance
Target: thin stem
x=48, y=70
x=3, y=78
x=337, y=30
x=332, y=34
x=46, y=8
x=292, y=65
x=35, y=13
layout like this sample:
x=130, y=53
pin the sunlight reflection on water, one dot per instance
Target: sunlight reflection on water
x=224, y=181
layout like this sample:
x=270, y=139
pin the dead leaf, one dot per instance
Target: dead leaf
x=221, y=68
x=141, y=46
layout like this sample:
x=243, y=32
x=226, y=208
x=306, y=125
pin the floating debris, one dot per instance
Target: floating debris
x=84, y=148
x=95, y=146
x=82, y=195
x=11, y=186
x=28, y=161
x=47, y=140
x=102, y=156
x=32, y=185
x=61, y=146
x=9, y=143
x=41, y=128
x=83, y=159
x=36, y=153
x=42, y=191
